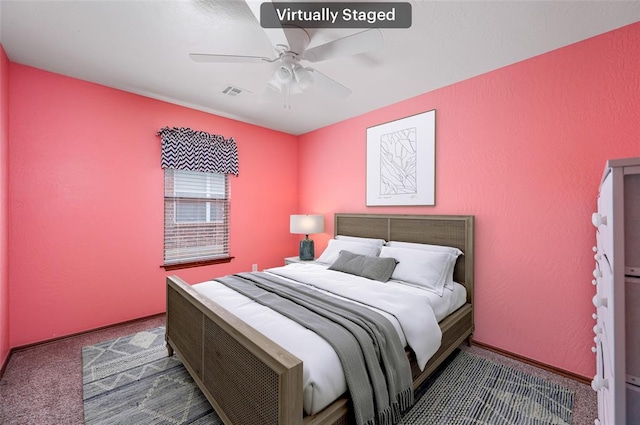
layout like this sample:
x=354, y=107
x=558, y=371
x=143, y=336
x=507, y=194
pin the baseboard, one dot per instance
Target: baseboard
x=5, y=362
x=518, y=357
x=49, y=341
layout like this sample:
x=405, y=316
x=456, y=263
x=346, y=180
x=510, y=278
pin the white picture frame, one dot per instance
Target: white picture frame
x=401, y=161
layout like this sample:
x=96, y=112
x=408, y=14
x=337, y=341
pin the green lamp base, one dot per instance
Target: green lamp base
x=306, y=249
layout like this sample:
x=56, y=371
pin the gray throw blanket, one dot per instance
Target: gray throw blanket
x=376, y=368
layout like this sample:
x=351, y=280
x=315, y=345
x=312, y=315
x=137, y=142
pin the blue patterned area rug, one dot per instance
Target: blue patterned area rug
x=472, y=390
x=130, y=380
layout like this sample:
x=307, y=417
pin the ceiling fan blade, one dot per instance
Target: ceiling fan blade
x=294, y=38
x=328, y=85
x=276, y=35
x=205, y=57
x=350, y=45
x=270, y=95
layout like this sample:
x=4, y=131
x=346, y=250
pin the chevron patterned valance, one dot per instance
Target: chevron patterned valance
x=186, y=149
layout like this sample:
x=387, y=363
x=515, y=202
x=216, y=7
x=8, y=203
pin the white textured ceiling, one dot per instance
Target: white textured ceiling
x=143, y=46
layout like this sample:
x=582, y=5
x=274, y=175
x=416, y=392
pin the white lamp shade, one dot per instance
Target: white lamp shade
x=303, y=76
x=284, y=74
x=306, y=224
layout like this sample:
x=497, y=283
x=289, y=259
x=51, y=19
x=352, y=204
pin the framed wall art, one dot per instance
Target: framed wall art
x=401, y=161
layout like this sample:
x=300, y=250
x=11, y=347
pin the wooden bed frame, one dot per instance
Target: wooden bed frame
x=250, y=380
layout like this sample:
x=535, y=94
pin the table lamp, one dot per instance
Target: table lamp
x=306, y=224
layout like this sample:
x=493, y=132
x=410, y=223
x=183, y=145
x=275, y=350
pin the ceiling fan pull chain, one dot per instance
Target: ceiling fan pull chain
x=287, y=95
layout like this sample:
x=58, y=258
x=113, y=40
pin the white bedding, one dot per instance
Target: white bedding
x=414, y=312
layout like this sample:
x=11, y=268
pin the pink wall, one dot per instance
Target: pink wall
x=86, y=203
x=523, y=149
x=4, y=206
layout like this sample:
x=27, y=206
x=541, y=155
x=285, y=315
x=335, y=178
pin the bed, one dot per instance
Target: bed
x=250, y=379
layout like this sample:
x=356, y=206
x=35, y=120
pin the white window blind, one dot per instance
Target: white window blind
x=196, y=216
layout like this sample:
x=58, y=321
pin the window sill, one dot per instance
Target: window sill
x=199, y=263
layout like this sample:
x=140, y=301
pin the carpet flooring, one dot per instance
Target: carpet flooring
x=43, y=384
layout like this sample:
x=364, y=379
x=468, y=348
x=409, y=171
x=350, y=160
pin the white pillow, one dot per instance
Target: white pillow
x=427, y=269
x=330, y=254
x=372, y=241
x=455, y=253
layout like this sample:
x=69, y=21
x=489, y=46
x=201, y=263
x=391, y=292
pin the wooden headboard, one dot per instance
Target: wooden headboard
x=448, y=230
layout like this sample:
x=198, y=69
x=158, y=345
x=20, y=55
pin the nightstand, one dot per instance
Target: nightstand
x=290, y=260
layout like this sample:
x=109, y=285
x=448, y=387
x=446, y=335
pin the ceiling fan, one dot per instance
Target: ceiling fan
x=290, y=75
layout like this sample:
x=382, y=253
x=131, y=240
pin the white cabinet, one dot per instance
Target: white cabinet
x=617, y=299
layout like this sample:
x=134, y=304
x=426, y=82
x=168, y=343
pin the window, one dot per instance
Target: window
x=196, y=217
x=196, y=196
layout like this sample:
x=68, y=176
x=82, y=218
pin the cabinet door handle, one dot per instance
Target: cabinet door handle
x=600, y=302
x=599, y=383
x=598, y=219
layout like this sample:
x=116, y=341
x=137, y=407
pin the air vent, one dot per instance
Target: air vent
x=233, y=91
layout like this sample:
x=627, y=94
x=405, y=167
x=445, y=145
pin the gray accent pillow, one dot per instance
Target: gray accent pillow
x=376, y=268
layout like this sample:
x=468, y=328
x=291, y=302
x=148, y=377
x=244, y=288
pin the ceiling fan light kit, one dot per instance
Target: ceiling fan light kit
x=284, y=74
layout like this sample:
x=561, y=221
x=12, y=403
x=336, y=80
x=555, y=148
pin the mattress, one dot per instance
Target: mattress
x=413, y=312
